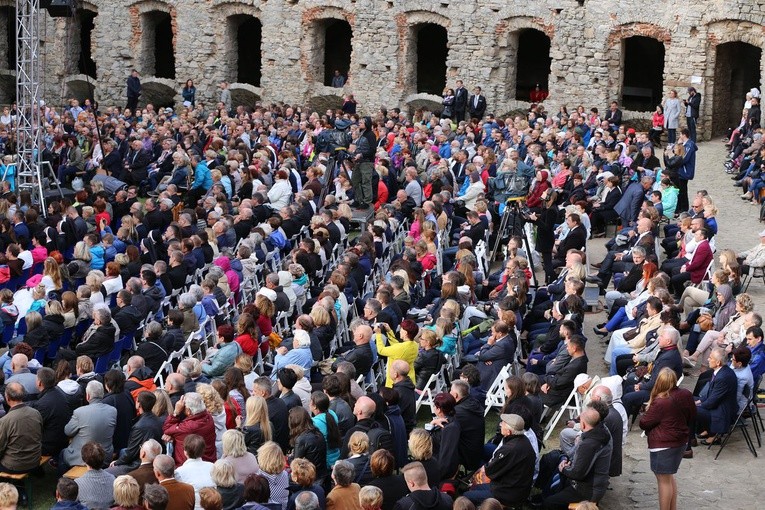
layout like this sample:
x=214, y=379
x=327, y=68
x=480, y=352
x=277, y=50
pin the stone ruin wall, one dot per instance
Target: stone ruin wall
x=586, y=47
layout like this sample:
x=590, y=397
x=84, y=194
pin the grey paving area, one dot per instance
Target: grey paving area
x=731, y=481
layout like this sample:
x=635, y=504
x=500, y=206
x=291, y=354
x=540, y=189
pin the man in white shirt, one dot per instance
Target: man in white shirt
x=195, y=471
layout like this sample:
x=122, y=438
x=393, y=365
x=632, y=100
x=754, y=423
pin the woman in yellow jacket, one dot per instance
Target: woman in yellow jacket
x=405, y=349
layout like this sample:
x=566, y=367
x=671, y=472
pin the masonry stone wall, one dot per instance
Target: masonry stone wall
x=586, y=48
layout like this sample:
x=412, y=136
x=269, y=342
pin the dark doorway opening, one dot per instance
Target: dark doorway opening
x=533, y=64
x=8, y=45
x=164, y=50
x=642, y=73
x=432, y=50
x=249, y=56
x=86, y=64
x=337, y=49
x=737, y=70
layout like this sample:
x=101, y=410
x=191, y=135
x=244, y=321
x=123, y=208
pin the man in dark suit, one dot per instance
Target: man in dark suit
x=614, y=116
x=646, y=160
x=636, y=394
x=148, y=426
x=144, y=473
x=717, y=405
x=497, y=352
x=112, y=161
x=460, y=101
x=692, y=106
x=477, y=104
x=459, y=166
x=181, y=495
x=628, y=206
x=575, y=240
x=277, y=411
x=558, y=387
x=137, y=163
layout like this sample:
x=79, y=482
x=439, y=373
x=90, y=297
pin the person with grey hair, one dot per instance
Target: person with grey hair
x=95, y=422
x=186, y=303
x=300, y=354
x=144, y=473
x=97, y=340
x=182, y=494
x=630, y=280
x=152, y=350
x=21, y=432
x=307, y=500
x=511, y=467
x=190, y=416
x=191, y=370
x=155, y=497
x=345, y=494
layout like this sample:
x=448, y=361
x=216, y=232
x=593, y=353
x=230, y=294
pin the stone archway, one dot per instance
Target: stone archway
x=723, y=99
x=616, y=53
x=7, y=86
x=418, y=32
x=245, y=94
x=424, y=101
x=80, y=87
x=327, y=44
x=159, y=92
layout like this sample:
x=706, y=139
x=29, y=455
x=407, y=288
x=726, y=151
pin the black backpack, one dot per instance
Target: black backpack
x=379, y=438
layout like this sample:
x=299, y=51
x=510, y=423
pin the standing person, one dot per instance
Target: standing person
x=133, y=91
x=225, y=95
x=460, y=101
x=692, y=105
x=364, y=159
x=672, y=116
x=477, y=104
x=338, y=80
x=667, y=422
x=688, y=171
x=189, y=93
x=448, y=102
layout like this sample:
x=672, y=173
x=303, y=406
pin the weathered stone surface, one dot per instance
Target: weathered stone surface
x=586, y=46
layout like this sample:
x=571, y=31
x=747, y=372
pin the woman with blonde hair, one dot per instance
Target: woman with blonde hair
x=421, y=448
x=235, y=453
x=164, y=406
x=271, y=460
x=370, y=498
x=303, y=478
x=669, y=414
x=430, y=360
x=95, y=280
x=127, y=493
x=358, y=455
x=230, y=489
x=51, y=278
x=214, y=405
x=257, y=429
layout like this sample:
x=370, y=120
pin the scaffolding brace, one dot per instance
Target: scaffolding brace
x=28, y=120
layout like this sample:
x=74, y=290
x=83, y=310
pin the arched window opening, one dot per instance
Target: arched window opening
x=158, y=48
x=642, y=73
x=532, y=65
x=337, y=49
x=432, y=49
x=737, y=71
x=85, y=62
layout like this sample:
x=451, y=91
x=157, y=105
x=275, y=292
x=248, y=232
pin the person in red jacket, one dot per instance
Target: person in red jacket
x=667, y=423
x=696, y=268
x=540, y=185
x=249, y=334
x=190, y=416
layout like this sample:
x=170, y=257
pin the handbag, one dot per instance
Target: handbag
x=705, y=322
x=631, y=334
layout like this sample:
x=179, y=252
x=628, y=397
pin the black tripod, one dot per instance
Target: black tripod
x=513, y=208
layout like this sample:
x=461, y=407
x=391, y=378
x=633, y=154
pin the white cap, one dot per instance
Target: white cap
x=270, y=294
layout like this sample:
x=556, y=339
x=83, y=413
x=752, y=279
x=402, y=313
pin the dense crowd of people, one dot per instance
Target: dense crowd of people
x=201, y=325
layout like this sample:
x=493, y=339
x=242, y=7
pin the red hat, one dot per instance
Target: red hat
x=631, y=131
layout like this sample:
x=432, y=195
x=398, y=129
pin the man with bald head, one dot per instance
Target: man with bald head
x=588, y=468
x=22, y=375
x=174, y=385
x=407, y=398
x=364, y=411
x=20, y=433
x=180, y=495
x=359, y=352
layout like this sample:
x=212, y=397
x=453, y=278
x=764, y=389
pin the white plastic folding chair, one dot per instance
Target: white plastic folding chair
x=572, y=405
x=495, y=396
x=164, y=370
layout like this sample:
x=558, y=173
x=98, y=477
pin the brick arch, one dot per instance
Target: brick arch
x=136, y=9
x=505, y=66
x=718, y=32
x=405, y=24
x=613, y=51
x=312, y=42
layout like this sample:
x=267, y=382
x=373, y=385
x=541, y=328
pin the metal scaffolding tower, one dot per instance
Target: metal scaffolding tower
x=28, y=123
